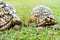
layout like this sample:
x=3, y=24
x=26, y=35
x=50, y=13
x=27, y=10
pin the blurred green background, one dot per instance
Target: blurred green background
x=23, y=9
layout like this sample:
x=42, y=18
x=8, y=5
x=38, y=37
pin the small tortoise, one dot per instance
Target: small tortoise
x=41, y=16
x=8, y=16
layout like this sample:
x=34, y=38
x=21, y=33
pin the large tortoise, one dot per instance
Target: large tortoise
x=8, y=16
x=41, y=16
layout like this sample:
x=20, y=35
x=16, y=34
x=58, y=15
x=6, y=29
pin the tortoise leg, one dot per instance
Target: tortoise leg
x=40, y=28
x=16, y=27
x=16, y=22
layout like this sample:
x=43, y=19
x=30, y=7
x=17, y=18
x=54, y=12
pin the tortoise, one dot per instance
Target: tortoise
x=41, y=16
x=8, y=17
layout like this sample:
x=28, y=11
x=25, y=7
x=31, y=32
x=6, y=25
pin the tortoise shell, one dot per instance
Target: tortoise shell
x=5, y=17
x=42, y=15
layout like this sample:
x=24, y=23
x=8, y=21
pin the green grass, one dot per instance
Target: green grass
x=23, y=8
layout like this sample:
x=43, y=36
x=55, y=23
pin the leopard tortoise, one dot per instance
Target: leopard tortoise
x=8, y=16
x=41, y=16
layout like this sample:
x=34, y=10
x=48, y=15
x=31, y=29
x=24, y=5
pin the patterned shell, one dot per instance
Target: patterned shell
x=5, y=17
x=42, y=12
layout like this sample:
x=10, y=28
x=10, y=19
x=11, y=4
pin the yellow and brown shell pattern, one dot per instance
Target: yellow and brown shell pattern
x=5, y=17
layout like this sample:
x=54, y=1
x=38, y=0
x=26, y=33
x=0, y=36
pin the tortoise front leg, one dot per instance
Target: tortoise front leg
x=16, y=22
x=16, y=27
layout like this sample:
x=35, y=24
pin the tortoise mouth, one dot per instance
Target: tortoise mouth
x=6, y=22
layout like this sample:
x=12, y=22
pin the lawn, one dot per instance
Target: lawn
x=23, y=8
